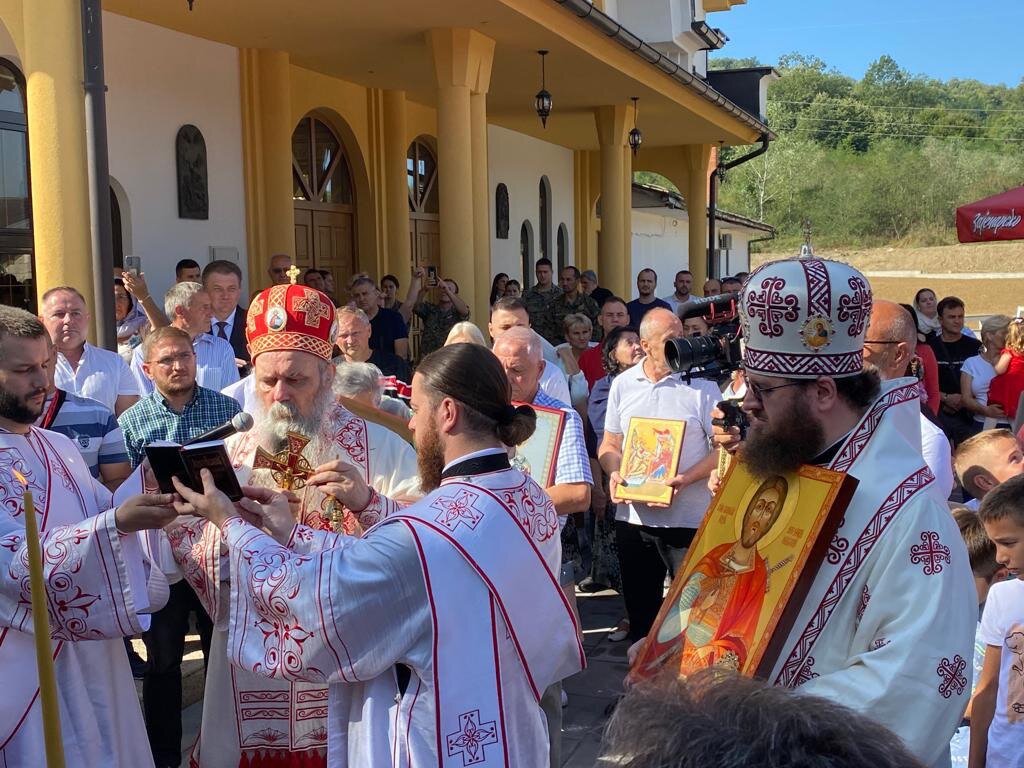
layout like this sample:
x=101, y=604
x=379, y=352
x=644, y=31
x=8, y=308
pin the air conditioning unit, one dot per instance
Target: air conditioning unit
x=725, y=241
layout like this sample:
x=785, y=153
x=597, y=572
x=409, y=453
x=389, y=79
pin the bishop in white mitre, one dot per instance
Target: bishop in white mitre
x=439, y=629
x=249, y=720
x=888, y=624
x=100, y=588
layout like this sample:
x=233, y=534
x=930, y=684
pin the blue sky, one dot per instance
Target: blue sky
x=941, y=38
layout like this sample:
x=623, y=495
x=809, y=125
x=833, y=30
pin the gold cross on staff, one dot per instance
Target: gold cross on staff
x=293, y=273
x=289, y=468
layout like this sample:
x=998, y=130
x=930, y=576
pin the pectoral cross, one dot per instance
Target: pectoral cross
x=293, y=273
x=289, y=468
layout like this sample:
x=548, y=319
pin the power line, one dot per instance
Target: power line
x=840, y=131
x=903, y=108
x=898, y=125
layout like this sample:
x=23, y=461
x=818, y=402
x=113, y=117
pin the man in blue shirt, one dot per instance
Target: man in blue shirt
x=176, y=410
x=646, y=282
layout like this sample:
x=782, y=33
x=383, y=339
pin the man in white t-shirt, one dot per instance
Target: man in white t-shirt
x=510, y=312
x=652, y=539
x=86, y=370
x=681, y=295
x=889, y=347
x=997, y=709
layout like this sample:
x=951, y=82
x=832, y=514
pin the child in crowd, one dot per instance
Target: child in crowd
x=982, y=554
x=1008, y=383
x=984, y=461
x=997, y=709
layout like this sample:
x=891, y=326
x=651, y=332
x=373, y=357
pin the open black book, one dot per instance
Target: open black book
x=184, y=461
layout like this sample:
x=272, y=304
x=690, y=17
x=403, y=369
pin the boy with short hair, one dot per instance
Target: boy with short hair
x=982, y=555
x=997, y=716
x=984, y=461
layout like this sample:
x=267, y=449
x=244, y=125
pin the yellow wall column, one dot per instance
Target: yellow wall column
x=267, y=157
x=398, y=260
x=612, y=262
x=56, y=129
x=585, y=249
x=481, y=208
x=696, y=157
x=460, y=57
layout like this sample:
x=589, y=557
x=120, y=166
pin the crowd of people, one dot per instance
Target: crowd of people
x=409, y=597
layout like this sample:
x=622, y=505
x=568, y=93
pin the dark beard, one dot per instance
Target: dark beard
x=429, y=458
x=16, y=410
x=781, y=449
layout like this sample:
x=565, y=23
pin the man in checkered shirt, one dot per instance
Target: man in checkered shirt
x=177, y=410
x=519, y=351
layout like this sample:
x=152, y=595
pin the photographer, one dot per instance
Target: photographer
x=890, y=610
x=653, y=538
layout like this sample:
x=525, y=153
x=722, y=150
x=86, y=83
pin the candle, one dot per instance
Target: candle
x=44, y=649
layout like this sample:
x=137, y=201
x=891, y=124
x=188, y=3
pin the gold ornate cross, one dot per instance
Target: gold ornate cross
x=289, y=468
x=293, y=273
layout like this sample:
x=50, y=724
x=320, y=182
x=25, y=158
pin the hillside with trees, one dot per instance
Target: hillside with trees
x=881, y=160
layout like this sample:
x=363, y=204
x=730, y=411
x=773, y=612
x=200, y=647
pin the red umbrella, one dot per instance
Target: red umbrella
x=1000, y=217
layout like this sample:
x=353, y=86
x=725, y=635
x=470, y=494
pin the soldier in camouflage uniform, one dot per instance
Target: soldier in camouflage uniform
x=538, y=301
x=573, y=301
x=437, y=318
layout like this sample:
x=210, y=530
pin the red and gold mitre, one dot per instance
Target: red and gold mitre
x=291, y=317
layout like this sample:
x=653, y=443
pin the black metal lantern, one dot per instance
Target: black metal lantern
x=190, y=3
x=542, y=101
x=636, y=136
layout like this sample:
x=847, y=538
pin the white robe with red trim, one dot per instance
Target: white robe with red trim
x=98, y=588
x=888, y=625
x=461, y=588
x=249, y=720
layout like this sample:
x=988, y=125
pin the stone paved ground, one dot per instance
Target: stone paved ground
x=590, y=692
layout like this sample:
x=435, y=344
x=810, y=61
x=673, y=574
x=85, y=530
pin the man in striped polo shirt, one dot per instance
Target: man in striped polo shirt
x=90, y=425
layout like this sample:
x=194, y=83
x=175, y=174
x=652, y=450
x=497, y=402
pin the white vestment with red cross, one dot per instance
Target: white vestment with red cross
x=99, y=590
x=888, y=625
x=250, y=721
x=460, y=589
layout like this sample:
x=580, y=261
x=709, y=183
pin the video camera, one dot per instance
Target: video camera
x=717, y=353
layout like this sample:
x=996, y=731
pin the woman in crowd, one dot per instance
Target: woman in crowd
x=578, y=330
x=977, y=374
x=925, y=305
x=513, y=288
x=1008, y=384
x=497, y=288
x=925, y=367
x=465, y=332
x=619, y=350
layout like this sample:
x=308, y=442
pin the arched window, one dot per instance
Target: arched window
x=320, y=172
x=526, y=254
x=544, y=246
x=501, y=212
x=17, y=260
x=421, y=175
x=561, y=248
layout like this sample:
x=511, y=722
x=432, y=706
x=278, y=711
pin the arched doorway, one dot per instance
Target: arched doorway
x=17, y=255
x=325, y=201
x=526, y=254
x=424, y=214
x=561, y=250
x=544, y=235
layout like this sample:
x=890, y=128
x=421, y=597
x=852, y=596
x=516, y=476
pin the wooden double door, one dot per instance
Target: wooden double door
x=325, y=239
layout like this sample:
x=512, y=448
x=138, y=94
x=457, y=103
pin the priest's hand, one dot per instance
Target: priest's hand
x=145, y=511
x=270, y=510
x=212, y=504
x=344, y=482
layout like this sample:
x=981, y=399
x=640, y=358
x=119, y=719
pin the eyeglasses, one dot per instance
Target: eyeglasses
x=170, y=360
x=759, y=392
